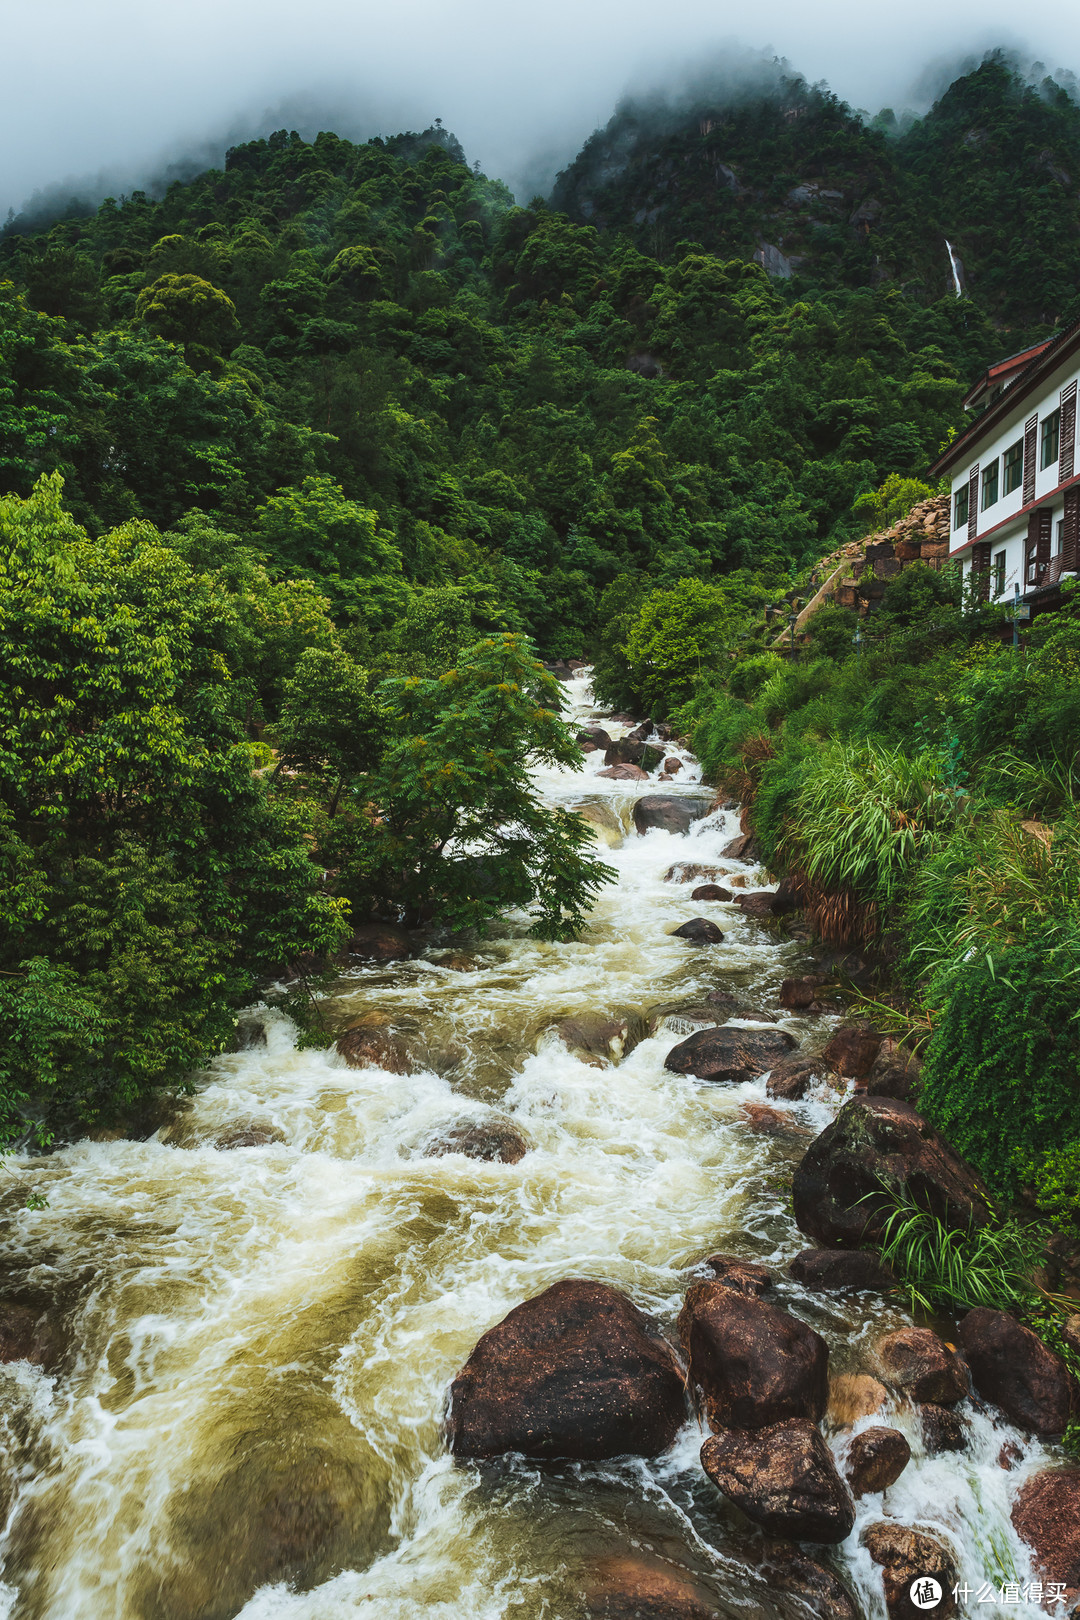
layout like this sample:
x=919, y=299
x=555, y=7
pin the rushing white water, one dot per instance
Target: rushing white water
x=954, y=266
x=264, y=1336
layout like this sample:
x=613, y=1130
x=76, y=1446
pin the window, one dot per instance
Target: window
x=960, y=507
x=1014, y=467
x=990, y=485
x=1051, y=432
x=999, y=574
x=1059, y=548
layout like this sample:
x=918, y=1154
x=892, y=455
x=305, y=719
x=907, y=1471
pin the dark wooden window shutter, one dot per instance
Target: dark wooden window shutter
x=1068, y=433
x=1037, y=550
x=1070, y=535
x=973, y=501
x=980, y=569
x=1031, y=433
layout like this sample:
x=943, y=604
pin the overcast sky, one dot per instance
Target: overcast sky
x=123, y=87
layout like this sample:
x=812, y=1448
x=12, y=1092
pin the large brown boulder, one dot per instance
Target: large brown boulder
x=876, y=1459
x=598, y=1038
x=629, y=751
x=635, y=1588
x=371, y=1044
x=758, y=904
x=739, y=849
x=905, y=1556
x=1012, y=1367
x=625, y=773
x=754, y=1363
x=494, y=1141
x=711, y=891
x=698, y=931
x=783, y=1478
x=792, y=1077
x=687, y=871
x=799, y=994
x=1046, y=1514
x=27, y=1334
x=942, y=1430
x=576, y=1372
x=923, y=1365
x=852, y=1050
x=729, y=1055
x=837, y=1190
x=853, y=1396
x=380, y=942
x=820, y=1590
x=596, y=735
x=745, y=1276
x=841, y=1271
x=674, y=813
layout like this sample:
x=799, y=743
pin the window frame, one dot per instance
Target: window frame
x=1012, y=467
x=1050, y=439
x=960, y=506
x=999, y=573
x=990, y=481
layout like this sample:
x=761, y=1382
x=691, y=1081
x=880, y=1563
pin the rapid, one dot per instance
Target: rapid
x=261, y=1338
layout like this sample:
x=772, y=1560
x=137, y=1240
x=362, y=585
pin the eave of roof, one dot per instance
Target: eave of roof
x=1030, y=378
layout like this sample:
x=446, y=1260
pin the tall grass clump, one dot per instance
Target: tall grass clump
x=949, y=1269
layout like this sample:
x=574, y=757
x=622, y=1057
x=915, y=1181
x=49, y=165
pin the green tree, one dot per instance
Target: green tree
x=189, y=310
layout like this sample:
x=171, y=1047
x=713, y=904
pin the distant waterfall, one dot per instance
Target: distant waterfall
x=956, y=267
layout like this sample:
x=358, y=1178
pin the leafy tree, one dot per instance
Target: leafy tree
x=189, y=310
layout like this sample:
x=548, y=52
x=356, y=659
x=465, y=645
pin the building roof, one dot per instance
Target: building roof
x=1002, y=373
x=1029, y=379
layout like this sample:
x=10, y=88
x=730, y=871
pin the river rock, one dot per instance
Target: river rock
x=739, y=849
x=799, y=994
x=699, y=931
x=368, y=1044
x=673, y=765
x=788, y=898
x=597, y=1037
x=1012, y=1367
x=1046, y=1514
x=782, y=1477
x=679, y=1020
x=606, y=827
x=577, y=1372
x=247, y=1136
x=820, y=1590
x=853, y=1396
x=942, y=1430
x=729, y=1055
x=874, y=1140
x=894, y=1073
x=629, y=751
x=754, y=1363
x=635, y=1588
x=595, y=735
x=904, y=1556
x=923, y=1365
x=841, y=1271
x=687, y=871
x=711, y=891
x=625, y=773
x=792, y=1077
x=20, y=1332
x=758, y=905
x=380, y=942
x=673, y=813
x=771, y=1121
x=745, y=1276
x=876, y=1459
x=852, y=1050
x=493, y=1140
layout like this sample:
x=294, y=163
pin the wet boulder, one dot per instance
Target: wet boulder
x=1046, y=1514
x=711, y=891
x=380, y=942
x=852, y=1050
x=729, y=1055
x=671, y=812
x=673, y=765
x=687, y=871
x=771, y=1121
x=1012, y=1367
x=28, y=1333
x=698, y=931
x=842, y=1271
x=800, y=994
x=599, y=1039
x=894, y=1073
x=754, y=1363
x=745, y=1276
x=494, y=1140
x=625, y=773
x=629, y=751
x=821, y=1592
x=680, y=1020
x=876, y=1459
x=739, y=849
x=923, y=1366
x=368, y=1043
x=606, y=827
x=595, y=735
x=783, y=1478
x=792, y=1077
x=577, y=1372
x=942, y=1430
x=837, y=1191
x=853, y=1396
x=906, y=1556
x=625, y=1587
x=247, y=1136
x=788, y=898
x=757, y=905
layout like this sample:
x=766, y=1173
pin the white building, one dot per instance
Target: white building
x=1015, y=491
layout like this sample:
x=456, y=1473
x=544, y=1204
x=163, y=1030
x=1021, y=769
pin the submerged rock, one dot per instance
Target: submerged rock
x=699, y=931
x=492, y=1140
x=1046, y=1514
x=782, y=1477
x=577, y=1372
x=923, y=1365
x=841, y=1271
x=625, y=1587
x=729, y=1054
x=820, y=1590
x=792, y=1077
x=606, y=827
x=942, y=1430
x=368, y=1044
x=853, y=1396
x=876, y=1459
x=1012, y=1367
x=905, y=1556
x=29, y=1333
x=754, y=1363
x=673, y=813
x=380, y=942
x=837, y=1191
x=625, y=773
x=597, y=1037
x=247, y=1136
x=687, y=871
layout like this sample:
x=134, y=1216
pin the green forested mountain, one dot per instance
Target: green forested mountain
x=291, y=456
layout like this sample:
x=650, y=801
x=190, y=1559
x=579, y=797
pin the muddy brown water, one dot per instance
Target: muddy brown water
x=249, y=1417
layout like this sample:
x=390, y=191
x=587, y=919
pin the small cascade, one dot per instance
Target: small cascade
x=957, y=269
